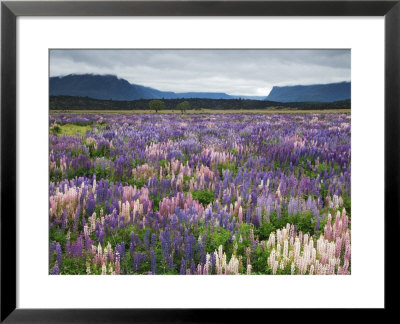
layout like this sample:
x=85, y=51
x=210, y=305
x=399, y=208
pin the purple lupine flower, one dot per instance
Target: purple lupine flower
x=55, y=270
x=147, y=239
x=192, y=268
x=52, y=250
x=188, y=250
x=248, y=215
x=101, y=237
x=59, y=254
x=64, y=220
x=278, y=212
x=153, y=262
x=317, y=224
x=108, y=207
x=91, y=204
x=257, y=220
x=183, y=267
x=120, y=248
x=269, y=149
x=76, y=248
x=171, y=264
x=199, y=250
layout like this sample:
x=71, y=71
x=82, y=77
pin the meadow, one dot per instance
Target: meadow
x=200, y=194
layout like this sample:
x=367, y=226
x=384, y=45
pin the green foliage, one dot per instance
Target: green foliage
x=347, y=205
x=322, y=167
x=55, y=175
x=234, y=151
x=265, y=230
x=304, y=222
x=231, y=166
x=163, y=163
x=204, y=197
x=73, y=266
x=156, y=202
x=57, y=236
x=137, y=162
x=100, y=173
x=80, y=172
x=103, y=151
x=73, y=129
x=187, y=178
x=276, y=164
x=139, y=183
x=55, y=129
x=323, y=191
x=156, y=105
x=259, y=260
x=183, y=106
x=220, y=236
x=121, y=235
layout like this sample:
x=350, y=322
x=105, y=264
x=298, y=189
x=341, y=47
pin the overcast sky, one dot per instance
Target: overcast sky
x=236, y=72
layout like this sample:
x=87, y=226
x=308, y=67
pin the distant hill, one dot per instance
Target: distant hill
x=311, y=93
x=101, y=87
x=110, y=87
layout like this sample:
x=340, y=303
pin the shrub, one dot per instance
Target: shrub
x=204, y=197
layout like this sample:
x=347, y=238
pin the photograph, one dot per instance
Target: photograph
x=199, y=161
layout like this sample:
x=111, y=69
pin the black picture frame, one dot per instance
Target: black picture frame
x=10, y=10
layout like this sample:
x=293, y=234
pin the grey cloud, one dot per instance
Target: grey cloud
x=244, y=72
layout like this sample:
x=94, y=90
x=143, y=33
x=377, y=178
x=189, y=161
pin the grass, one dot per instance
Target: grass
x=208, y=111
x=70, y=129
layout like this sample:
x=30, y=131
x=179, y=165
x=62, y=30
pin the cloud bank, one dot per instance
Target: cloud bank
x=236, y=72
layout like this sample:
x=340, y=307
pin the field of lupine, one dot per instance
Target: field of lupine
x=199, y=194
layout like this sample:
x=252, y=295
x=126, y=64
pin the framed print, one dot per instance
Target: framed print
x=190, y=153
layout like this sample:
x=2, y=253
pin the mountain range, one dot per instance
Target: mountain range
x=311, y=93
x=110, y=87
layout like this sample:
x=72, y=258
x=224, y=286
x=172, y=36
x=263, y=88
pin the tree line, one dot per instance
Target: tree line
x=86, y=103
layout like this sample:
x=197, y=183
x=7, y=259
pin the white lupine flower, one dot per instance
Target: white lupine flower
x=313, y=255
x=284, y=234
x=285, y=248
x=305, y=239
x=220, y=251
x=275, y=267
x=335, y=200
x=223, y=262
x=278, y=236
x=297, y=247
x=291, y=254
x=99, y=250
x=291, y=240
x=249, y=269
x=278, y=251
x=271, y=258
